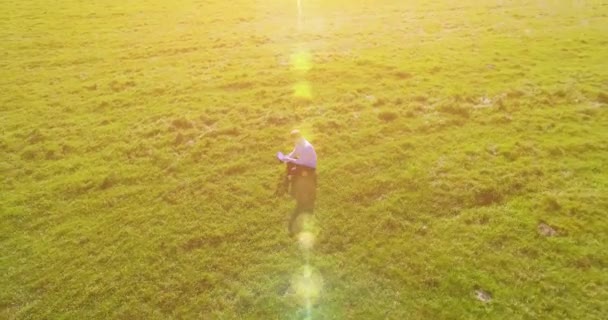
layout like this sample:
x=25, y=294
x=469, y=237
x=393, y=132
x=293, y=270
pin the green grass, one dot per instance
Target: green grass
x=137, y=166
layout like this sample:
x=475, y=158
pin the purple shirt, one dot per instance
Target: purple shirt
x=303, y=154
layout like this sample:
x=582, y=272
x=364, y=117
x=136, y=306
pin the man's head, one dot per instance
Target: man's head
x=296, y=136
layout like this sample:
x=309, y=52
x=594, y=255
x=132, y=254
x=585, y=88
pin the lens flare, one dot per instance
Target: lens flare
x=308, y=231
x=300, y=15
x=306, y=240
x=301, y=61
x=302, y=90
x=307, y=285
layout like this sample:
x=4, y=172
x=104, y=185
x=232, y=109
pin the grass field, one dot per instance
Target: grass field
x=463, y=153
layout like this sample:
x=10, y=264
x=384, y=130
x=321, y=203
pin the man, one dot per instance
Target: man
x=301, y=175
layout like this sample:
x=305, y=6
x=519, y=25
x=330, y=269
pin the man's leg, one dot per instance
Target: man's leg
x=293, y=219
x=298, y=191
x=305, y=199
x=308, y=194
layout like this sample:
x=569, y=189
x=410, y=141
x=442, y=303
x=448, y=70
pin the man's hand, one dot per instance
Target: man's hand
x=281, y=156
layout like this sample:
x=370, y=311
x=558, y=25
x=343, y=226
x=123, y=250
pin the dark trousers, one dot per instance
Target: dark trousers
x=303, y=183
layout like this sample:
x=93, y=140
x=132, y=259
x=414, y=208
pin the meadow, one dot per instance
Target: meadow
x=463, y=149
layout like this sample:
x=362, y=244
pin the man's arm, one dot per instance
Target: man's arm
x=292, y=160
x=295, y=156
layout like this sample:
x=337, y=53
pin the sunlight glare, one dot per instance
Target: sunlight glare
x=307, y=285
x=301, y=61
x=306, y=240
x=302, y=90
